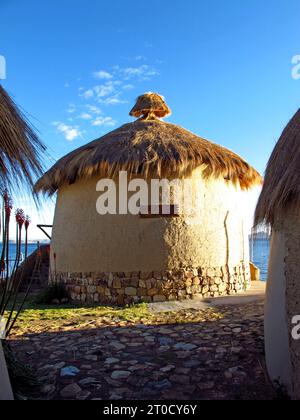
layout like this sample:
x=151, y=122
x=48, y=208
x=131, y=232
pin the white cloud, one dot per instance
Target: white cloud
x=128, y=87
x=71, y=109
x=70, y=133
x=104, y=90
x=102, y=74
x=94, y=109
x=88, y=94
x=104, y=121
x=140, y=58
x=113, y=100
x=85, y=116
x=143, y=72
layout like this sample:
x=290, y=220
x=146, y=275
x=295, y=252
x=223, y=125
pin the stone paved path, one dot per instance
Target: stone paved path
x=211, y=356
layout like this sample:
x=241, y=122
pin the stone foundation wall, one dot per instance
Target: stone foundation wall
x=134, y=287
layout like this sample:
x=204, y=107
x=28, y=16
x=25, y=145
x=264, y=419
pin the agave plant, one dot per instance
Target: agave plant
x=10, y=276
x=20, y=163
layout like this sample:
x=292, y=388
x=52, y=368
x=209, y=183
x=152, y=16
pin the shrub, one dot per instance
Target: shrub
x=54, y=294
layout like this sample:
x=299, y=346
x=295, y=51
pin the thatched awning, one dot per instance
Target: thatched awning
x=20, y=148
x=282, y=180
x=152, y=148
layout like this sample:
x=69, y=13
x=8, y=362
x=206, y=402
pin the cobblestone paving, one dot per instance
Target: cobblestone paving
x=207, y=355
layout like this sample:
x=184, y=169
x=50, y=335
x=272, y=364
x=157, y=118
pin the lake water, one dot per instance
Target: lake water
x=261, y=250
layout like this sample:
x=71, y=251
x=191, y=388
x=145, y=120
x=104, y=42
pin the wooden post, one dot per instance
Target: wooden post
x=5, y=386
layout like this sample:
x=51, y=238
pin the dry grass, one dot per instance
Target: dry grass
x=149, y=148
x=282, y=180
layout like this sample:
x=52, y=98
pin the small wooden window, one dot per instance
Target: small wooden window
x=159, y=211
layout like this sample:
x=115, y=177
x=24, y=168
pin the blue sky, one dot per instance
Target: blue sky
x=225, y=67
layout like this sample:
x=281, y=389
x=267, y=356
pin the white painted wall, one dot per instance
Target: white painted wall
x=5, y=387
x=84, y=241
x=278, y=356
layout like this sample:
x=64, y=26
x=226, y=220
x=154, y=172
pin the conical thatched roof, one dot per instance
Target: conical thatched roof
x=282, y=181
x=20, y=148
x=150, y=106
x=149, y=148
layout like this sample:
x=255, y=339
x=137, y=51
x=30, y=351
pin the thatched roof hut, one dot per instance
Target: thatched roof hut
x=282, y=180
x=279, y=206
x=128, y=257
x=149, y=147
x=20, y=148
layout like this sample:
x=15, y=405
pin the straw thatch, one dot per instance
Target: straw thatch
x=148, y=148
x=20, y=148
x=149, y=106
x=282, y=181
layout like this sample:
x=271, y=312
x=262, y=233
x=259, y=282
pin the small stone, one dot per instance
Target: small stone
x=117, y=345
x=205, y=386
x=160, y=385
x=69, y=371
x=165, y=331
x=87, y=381
x=184, y=346
x=70, y=391
x=165, y=341
x=48, y=389
x=167, y=369
x=115, y=396
x=221, y=350
x=111, y=361
x=237, y=330
x=236, y=350
x=83, y=395
x=180, y=379
x=120, y=374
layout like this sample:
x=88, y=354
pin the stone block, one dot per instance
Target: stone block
x=91, y=290
x=188, y=282
x=157, y=275
x=146, y=275
x=134, y=282
x=101, y=290
x=121, y=292
x=143, y=284
x=146, y=299
x=141, y=291
x=130, y=291
x=159, y=298
x=196, y=281
x=117, y=283
x=120, y=300
x=205, y=289
x=152, y=292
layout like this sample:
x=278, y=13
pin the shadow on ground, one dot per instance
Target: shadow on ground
x=197, y=360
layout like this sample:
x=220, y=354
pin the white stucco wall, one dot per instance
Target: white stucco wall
x=5, y=387
x=276, y=329
x=84, y=241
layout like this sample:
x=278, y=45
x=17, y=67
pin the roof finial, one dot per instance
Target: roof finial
x=150, y=106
